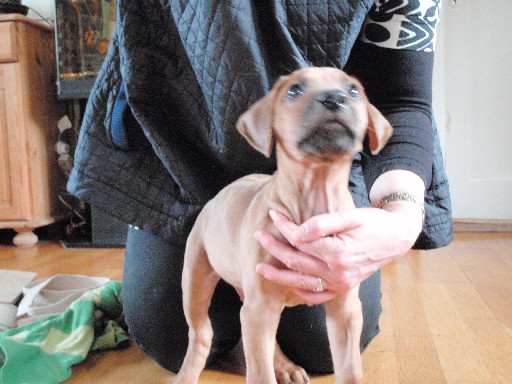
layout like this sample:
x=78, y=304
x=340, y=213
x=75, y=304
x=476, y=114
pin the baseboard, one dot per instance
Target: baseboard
x=468, y=225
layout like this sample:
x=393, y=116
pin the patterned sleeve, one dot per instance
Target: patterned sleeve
x=394, y=58
x=402, y=24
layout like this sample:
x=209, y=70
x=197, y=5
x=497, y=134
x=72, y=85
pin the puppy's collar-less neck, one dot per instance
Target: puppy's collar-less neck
x=312, y=189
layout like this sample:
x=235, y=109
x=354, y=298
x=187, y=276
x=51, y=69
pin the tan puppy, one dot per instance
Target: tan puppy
x=318, y=118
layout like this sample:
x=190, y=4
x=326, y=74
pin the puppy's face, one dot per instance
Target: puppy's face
x=317, y=114
x=320, y=114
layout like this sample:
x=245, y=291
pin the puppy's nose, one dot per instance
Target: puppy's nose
x=332, y=100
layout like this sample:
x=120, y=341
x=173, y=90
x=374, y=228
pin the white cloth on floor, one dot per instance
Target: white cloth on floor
x=7, y=316
x=48, y=297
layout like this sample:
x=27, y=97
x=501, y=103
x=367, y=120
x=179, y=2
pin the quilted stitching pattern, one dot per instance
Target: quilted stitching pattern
x=190, y=68
x=438, y=226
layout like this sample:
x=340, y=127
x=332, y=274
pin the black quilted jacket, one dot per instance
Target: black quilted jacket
x=158, y=137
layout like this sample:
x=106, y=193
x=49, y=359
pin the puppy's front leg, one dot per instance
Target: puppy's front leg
x=198, y=282
x=344, y=324
x=260, y=318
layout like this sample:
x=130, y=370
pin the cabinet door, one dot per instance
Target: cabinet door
x=14, y=202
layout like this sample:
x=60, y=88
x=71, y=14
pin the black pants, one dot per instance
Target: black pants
x=153, y=308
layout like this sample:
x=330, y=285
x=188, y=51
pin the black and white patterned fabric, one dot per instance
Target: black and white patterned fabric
x=402, y=24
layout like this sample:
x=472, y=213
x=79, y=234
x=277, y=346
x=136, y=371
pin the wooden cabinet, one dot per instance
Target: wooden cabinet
x=29, y=111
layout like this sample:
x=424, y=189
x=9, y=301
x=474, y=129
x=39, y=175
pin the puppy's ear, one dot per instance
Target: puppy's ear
x=256, y=124
x=379, y=129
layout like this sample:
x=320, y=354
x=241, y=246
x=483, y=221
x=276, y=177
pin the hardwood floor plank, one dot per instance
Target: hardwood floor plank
x=456, y=347
x=379, y=359
x=436, y=266
x=468, y=302
x=400, y=271
x=415, y=356
x=408, y=315
x=380, y=367
x=417, y=360
x=494, y=344
x=128, y=365
x=493, y=281
x=385, y=340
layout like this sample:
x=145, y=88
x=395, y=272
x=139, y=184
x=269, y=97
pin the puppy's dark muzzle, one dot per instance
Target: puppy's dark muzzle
x=332, y=100
x=331, y=135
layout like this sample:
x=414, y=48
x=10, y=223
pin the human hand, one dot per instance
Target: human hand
x=342, y=249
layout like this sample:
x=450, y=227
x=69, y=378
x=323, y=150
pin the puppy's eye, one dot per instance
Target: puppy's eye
x=354, y=92
x=295, y=91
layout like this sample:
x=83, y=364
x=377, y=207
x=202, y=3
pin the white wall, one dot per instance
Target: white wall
x=45, y=7
x=475, y=74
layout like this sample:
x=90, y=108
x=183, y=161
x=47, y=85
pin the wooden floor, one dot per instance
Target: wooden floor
x=447, y=315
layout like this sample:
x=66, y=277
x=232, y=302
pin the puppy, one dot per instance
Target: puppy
x=317, y=118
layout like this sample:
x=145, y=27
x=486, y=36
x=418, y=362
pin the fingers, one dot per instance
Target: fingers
x=312, y=252
x=304, y=269
x=293, y=258
x=321, y=226
x=303, y=272
x=315, y=228
x=303, y=285
x=309, y=237
x=320, y=247
x=287, y=277
x=288, y=229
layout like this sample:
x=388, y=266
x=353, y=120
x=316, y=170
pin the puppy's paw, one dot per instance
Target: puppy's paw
x=286, y=371
x=291, y=374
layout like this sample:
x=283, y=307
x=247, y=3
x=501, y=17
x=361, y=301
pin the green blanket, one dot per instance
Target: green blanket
x=44, y=351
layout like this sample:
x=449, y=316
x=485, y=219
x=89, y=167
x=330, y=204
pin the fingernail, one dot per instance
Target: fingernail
x=260, y=270
x=257, y=236
x=272, y=214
